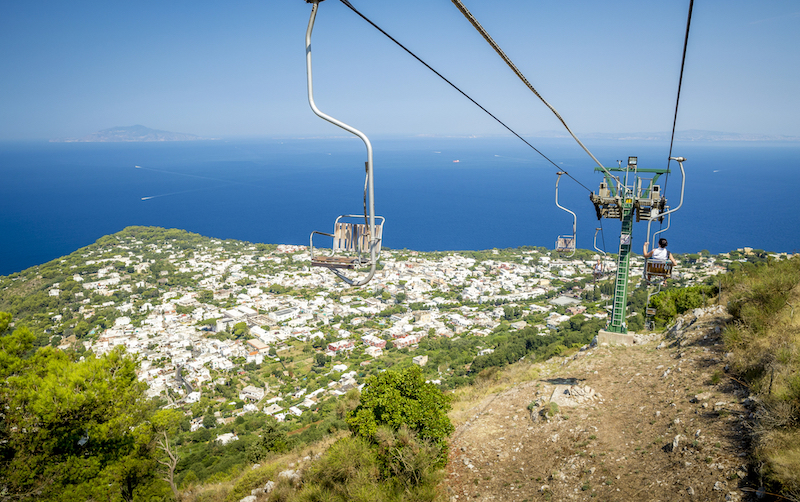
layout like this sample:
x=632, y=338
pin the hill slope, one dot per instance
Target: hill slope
x=659, y=421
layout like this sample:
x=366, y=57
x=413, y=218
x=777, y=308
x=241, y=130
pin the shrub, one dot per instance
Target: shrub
x=402, y=398
x=765, y=342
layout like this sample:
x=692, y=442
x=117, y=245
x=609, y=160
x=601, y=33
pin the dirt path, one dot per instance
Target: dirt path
x=659, y=421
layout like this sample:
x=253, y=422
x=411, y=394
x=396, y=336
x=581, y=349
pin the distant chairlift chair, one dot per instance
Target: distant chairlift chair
x=598, y=272
x=657, y=271
x=351, y=243
x=566, y=243
x=355, y=244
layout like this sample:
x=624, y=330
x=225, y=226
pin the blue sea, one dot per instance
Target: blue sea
x=58, y=197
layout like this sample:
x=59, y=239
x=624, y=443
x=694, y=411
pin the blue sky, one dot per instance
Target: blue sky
x=237, y=68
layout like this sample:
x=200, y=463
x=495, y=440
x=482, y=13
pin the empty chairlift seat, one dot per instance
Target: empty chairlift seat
x=565, y=243
x=351, y=243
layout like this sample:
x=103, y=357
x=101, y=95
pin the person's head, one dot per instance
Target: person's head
x=662, y=242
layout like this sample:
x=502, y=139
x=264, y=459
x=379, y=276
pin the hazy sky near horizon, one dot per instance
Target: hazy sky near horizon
x=227, y=69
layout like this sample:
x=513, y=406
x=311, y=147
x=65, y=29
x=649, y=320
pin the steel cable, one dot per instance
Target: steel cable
x=365, y=18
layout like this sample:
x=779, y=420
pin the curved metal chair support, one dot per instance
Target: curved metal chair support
x=602, y=270
x=680, y=161
x=656, y=269
x=565, y=243
x=373, y=237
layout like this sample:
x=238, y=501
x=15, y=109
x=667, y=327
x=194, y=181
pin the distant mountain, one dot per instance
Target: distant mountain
x=130, y=134
x=688, y=135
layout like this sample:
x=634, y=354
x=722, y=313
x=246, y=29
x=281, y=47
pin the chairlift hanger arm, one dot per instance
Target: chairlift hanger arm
x=595, y=241
x=680, y=161
x=574, y=216
x=369, y=181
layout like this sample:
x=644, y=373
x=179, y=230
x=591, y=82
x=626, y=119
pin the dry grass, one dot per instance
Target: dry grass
x=493, y=381
x=765, y=342
x=250, y=478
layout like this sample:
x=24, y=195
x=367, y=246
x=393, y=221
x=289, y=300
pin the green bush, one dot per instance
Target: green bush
x=251, y=479
x=402, y=398
x=676, y=301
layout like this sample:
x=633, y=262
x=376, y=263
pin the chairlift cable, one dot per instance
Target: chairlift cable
x=519, y=74
x=365, y=18
x=680, y=82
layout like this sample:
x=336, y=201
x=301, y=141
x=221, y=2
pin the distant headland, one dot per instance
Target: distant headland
x=130, y=134
x=688, y=135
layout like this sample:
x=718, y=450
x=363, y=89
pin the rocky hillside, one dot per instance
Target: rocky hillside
x=660, y=420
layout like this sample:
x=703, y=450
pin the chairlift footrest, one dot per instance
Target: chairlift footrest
x=336, y=261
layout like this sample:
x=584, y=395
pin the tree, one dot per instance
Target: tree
x=272, y=440
x=71, y=430
x=209, y=422
x=240, y=330
x=205, y=296
x=402, y=398
x=320, y=359
x=165, y=423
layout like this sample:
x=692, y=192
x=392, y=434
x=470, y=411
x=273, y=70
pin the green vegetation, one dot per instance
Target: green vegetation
x=677, y=300
x=528, y=341
x=75, y=430
x=395, y=399
x=396, y=452
x=765, y=341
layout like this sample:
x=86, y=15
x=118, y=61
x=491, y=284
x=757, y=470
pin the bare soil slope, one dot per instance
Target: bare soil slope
x=658, y=421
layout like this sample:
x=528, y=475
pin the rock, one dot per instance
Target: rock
x=697, y=434
x=718, y=486
x=269, y=486
x=249, y=498
x=676, y=442
x=690, y=491
x=290, y=474
x=544, y=488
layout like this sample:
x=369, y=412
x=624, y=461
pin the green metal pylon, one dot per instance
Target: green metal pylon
x=620, y=304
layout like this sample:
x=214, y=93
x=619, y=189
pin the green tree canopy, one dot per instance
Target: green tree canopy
x=397, y=398
x=72, y=430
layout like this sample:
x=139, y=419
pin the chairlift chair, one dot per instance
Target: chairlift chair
x=352, y=243
x=656, y=270
x=566, y=243
x=355, y=244
x=602, y=271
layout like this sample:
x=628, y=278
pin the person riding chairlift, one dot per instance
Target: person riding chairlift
x=598, y=268
x=659, y=255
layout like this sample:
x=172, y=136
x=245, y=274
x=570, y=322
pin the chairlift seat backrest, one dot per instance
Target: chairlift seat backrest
x=659, y=269
x=351, y=244
x=565, y=243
